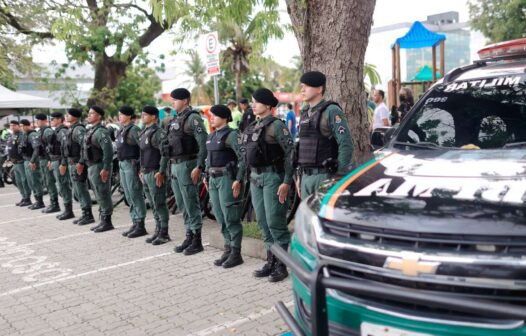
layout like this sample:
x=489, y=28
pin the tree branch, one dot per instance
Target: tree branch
x=13, y=22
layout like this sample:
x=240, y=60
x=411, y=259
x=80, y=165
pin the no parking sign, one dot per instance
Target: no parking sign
x=212, y=54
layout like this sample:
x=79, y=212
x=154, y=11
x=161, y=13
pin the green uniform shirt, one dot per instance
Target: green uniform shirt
x=158, y=138
x=278, y=133
x=334, y=124
x=233, y=141
x=34, y=140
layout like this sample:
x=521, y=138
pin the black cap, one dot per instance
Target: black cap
x=265, y=96
x=75, y=112
x=180, y=93
x=57, y=115
x=98, y=109
x=313, y=79
x=40, y=116
x=243, y=101
x=222, y=112
x=25, y=122
x=127, y=110
x=151, y=110
x=14, y=122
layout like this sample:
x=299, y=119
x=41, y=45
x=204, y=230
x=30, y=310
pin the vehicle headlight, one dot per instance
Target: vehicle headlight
x=306, y=226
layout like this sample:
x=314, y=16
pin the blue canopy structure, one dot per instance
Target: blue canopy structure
x=419, y=36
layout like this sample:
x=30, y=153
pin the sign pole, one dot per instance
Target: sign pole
x=216, y=90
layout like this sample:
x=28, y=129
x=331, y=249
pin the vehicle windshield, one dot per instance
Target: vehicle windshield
x=474, y=114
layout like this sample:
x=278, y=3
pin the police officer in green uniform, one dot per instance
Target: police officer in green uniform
x=325, y=144
x=128, y=153
x=29, y=148
x=97, y=154
x=268, y=150
x=225, y=170
x=186, y=148
x=153, y=168
x=46, y=135
x=71, y=155
x=18, y=163
x=54, y=151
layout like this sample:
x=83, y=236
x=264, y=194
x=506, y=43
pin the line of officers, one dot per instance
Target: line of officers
x=181, y=155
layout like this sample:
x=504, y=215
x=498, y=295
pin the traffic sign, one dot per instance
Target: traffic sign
x=212, y=49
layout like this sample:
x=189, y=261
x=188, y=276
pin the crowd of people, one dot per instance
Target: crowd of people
x=260, y=154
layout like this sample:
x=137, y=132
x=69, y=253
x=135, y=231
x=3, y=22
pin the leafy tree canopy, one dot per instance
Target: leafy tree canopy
x=499, y=20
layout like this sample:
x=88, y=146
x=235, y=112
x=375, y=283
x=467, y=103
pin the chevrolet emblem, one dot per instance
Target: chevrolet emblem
x=411, y=265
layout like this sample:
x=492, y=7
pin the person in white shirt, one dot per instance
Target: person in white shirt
x=381, y=113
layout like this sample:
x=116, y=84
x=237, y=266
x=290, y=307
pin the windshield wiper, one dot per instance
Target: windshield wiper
x=515, y=144
x=423, y=145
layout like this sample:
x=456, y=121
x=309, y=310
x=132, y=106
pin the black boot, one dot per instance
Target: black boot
x=130, y=230
x=234, y=259
x=24, y=202
x=68, y=212
x=139, y=230
x=267, y=268
x=53, y=207
x=163, y=237
x=87, y=217
x=186, y=242
x=105, y=224
x=2, y=185
x=196, y=246
x=279, y=271
x=224, y=256
x=155, y=234
x=39, y=203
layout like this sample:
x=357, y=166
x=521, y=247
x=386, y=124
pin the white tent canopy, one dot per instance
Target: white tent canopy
x=11, y=100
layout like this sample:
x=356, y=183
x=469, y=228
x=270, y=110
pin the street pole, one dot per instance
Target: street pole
x=216, y=90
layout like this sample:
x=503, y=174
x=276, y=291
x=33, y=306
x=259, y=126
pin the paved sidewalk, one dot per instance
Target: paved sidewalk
x=57, y=278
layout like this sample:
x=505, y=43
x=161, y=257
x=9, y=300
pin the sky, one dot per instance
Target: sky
x=386, y=12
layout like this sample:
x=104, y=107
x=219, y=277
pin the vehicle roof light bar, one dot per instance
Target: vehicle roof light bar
x=504, y=49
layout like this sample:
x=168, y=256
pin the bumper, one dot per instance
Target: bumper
x=319, y=312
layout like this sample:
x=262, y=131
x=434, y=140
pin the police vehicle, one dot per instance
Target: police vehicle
x=429, y=237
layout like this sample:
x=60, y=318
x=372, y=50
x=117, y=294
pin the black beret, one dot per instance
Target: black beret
x=127, y=110
x=98, y=109
x=222, y=112
x=243, y=101
x=75, y=112
x=152, y=110
x=57, y=115
x=14, y=122
x=313, y=79
x=265, y=96
x=40, y=116
x=25, y=122
x=180, y=93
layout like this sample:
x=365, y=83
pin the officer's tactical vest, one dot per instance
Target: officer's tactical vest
x=25, y=147
x=92, y=149
x=150, y=156
x=12, y=147
x=53, y=145
x=314, y=148
x=43, y=142
x=180, y=143
x=219, y=155
x=125, y=151
x=259, y=153
x=71, y=148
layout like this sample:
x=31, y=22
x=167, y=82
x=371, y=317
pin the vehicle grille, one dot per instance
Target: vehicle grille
x=479, y=244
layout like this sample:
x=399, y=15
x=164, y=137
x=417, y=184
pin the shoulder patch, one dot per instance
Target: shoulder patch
x=341, y=130
x=196, y=122
x=337, y=119
x=285, y=131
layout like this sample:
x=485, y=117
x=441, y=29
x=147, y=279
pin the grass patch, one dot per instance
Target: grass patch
x=251, y=229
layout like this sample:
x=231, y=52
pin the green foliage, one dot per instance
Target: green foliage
x=196, y=70
x=371, y=76
x=137, y=89
x=252, y=230
x=499, y=20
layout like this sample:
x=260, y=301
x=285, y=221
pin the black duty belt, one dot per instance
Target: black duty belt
x=17, y=161
x=146, y=170
x=54, y=157
x=266, y=169
x=92, y=163
x=314, y=171
x=73, y=160
x=183, y=159
x=217, y=172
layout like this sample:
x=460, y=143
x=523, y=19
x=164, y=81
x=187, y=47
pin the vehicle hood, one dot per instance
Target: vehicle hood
x=432, y=191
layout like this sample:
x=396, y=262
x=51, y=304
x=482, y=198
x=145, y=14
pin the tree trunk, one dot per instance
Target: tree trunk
x=333, y=36
x=108, y=74
x=238, y=85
